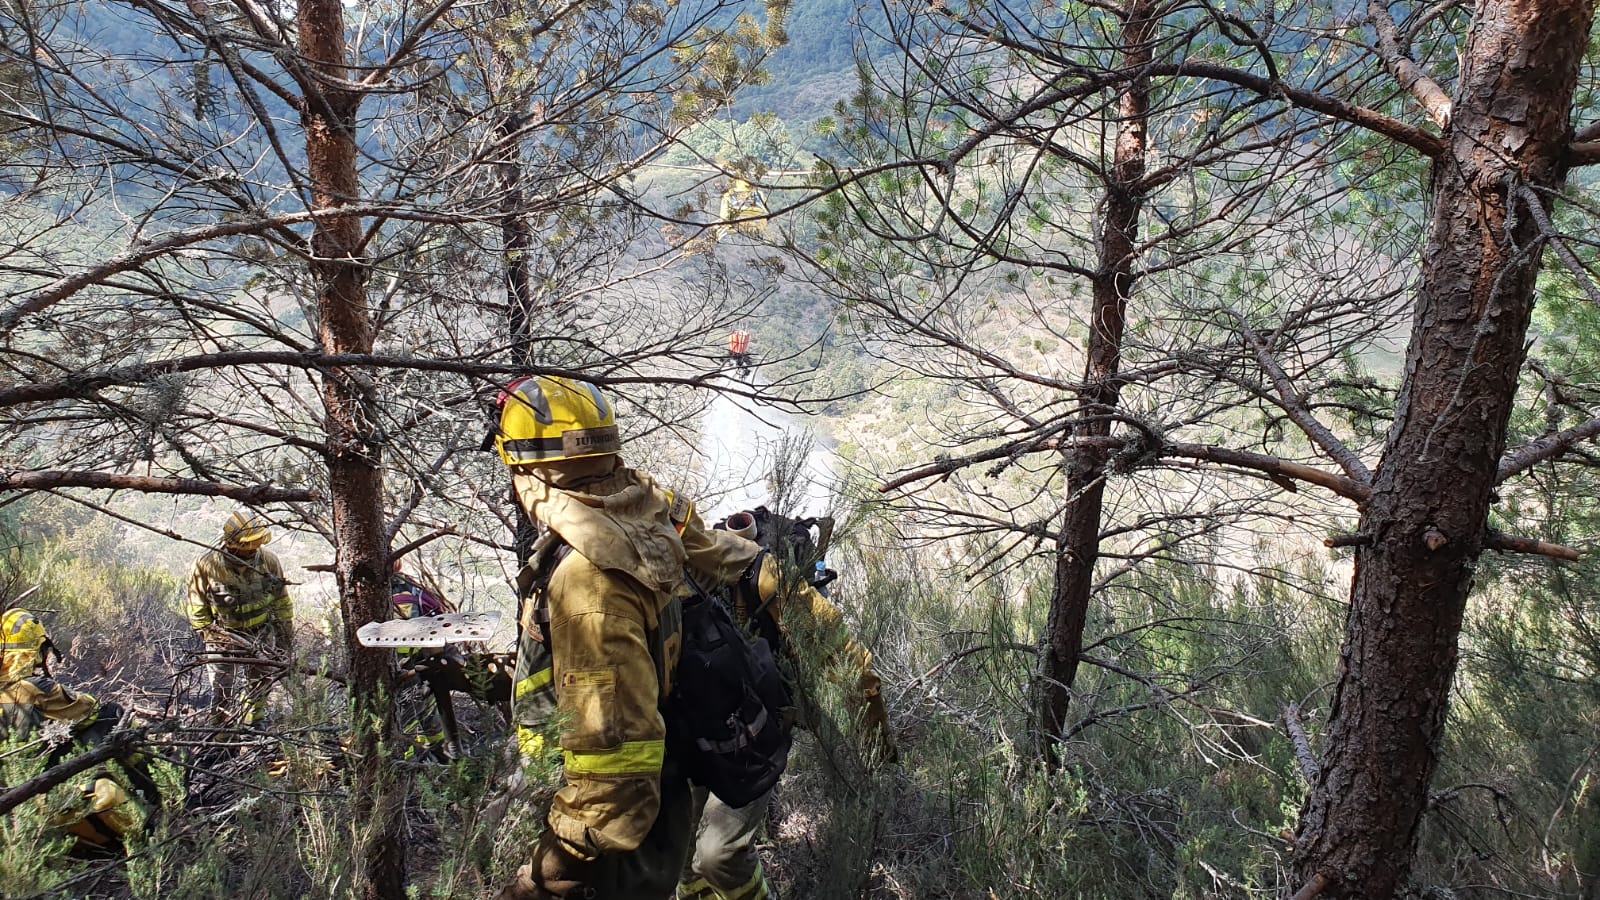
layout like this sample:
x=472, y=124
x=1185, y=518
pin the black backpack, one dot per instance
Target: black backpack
x=789, y=538
x=727, y=713
x=728, y=710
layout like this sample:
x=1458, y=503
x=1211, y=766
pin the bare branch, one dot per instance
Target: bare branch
x=1548, y=447
x=1435, y=102
x=1349, y=488
x=418, y=30
x=1511, y=543
x=940, y=468
x=1584, y=153
x=51, y=479
x=85, y=385
x=144, y=252
x=1563, y=252
x=426, y=539
x=1313, y=888
x=1295, y=406
x=1309, y=770
x=1430, y=145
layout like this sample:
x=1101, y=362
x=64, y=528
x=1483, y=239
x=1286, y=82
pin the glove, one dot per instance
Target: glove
x=556, y=871
x=522, y=888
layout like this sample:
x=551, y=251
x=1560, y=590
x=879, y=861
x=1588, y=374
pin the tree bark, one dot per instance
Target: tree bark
x=355, y=481
x=1078, y=542
x=1430, y=499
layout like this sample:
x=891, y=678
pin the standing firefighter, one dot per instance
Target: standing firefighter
x=601, y=647
x=239, y=603
x=773, y=600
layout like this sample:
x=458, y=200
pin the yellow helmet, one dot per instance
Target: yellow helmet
x=245, y=529
x=547, y=418
x=19, y=631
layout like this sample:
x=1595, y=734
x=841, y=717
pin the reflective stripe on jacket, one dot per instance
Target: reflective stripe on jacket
x=242, y=594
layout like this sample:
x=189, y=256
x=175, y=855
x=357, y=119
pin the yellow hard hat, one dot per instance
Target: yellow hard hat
x=245, y=529
x=19, y=630
x=547, y=418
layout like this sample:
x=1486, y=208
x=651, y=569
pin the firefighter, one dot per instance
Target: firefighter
x=416, y=706
x=103, y=813
x=739, y=349
x=239, y=604
x=725, y=864
x=28, y=695
x=620, y=827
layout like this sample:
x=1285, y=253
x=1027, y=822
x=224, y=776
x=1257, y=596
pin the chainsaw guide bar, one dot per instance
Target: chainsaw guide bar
x=429, y=631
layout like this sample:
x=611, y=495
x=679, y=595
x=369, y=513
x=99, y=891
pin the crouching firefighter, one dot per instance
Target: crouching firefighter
x=601, y=635
x=102, y=813
x=420, y=709
x=431, y=672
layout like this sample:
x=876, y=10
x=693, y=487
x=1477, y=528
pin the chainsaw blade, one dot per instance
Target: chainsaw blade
x=429, y=631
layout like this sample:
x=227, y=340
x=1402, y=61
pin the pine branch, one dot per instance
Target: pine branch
x=1434, y=101
x=1548, y=447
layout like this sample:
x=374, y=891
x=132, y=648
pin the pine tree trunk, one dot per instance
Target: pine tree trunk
x=1078, y=542
x=355, y=481
x=516, y=239
x=1431, y=496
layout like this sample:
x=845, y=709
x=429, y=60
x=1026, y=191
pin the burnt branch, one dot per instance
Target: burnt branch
x=119, y=745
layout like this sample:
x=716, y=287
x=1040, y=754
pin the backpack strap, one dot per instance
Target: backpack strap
x=533, y=683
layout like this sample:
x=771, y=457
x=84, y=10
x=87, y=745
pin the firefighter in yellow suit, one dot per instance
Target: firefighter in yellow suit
x=239, y=604
x=724, y=863
x=620, y=827
x=28, y=695
x=29, y=698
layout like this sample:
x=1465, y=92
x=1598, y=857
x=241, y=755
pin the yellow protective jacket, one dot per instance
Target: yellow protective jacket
x=27, y=700
x=241, y=594
x=614, y=620
x=614, y=625
x=808, y=619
